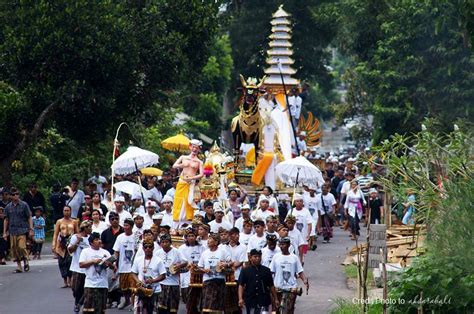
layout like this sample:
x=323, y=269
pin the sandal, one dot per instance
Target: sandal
x=26, y=267
x=17, y=271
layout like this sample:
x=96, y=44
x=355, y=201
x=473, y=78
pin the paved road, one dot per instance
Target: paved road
x=38, y=291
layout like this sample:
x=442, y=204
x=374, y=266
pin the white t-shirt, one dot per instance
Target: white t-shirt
x=261, y=215
x=75, y=202
x=147, y=221
x=329, y=202
x=138, y=233
x=244, y=238
x=155, y=194
x=77, y=253
x=346, y=187
x=100, y=227
x=311, y=203
x=171, y=192
x=191, y=254
x=167, y=218
x=267, y=255
x=125, y=245
x=256, y=242
x=140, y=210
x=122, y=216
x=296, y=240
x=98, y=181
x=238, y=253
x=209, y=260
x=303, y=218
x=285, y=268
x=216, y=225
x=149, y=269
x=96, y=275
x=169, y=258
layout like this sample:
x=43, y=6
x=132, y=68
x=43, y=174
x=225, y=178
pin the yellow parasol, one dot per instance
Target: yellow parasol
x=177, y=143
x=150, y=171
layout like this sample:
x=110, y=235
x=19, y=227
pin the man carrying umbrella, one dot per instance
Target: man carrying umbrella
x=192, y=170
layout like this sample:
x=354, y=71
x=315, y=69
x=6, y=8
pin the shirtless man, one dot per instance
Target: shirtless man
x=192, y=170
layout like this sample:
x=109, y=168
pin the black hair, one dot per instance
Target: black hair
x=268, y=188
x=208, y=203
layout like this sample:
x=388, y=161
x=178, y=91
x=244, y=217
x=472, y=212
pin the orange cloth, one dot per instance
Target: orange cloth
x=261, y=168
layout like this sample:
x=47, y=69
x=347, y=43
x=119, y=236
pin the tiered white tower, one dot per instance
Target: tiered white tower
x=280, y=52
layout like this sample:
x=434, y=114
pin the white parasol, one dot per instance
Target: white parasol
x=133, y=159
x=131, y=188
x=299, y=170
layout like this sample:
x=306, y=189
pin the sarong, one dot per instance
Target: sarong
x=327, y=227
x=18, y=247
x=182, y=203
x=193, y=305
x=64, y=264
x=185, y=295
x=169, y=298
x=213, y=295
x=286, y=300
x=231, y=298
x=77, y=286
x=145, y=305
x=126, y=281
x=95, y=300
x=354, y=223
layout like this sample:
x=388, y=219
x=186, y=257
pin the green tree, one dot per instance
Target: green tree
x=95, y=62
x=409, y=62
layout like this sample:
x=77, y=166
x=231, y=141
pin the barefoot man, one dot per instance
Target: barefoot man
x=192, y=170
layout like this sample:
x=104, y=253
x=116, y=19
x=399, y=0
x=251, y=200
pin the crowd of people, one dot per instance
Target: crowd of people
x=245, y=252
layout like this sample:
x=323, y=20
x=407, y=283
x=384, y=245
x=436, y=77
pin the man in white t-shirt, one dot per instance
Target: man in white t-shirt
x=270, y=250
x=310, y=201
x=245, y=211
x=150, y=207
x=168, y=299
x=326, y=208
x=98, y=180
x=77, y=243
x=257, y=240
x=218, y=222
x=286, y=267
x=119, y=202
x=76, y=198
x=94, y=260
x=304, y=220
x=167, y=203
x=289, y=230
x=238, y=253
x=246, y=233
x=213, y=287
x=125, y=248
x=148, y=270
x=191, y=250
x=263, y=212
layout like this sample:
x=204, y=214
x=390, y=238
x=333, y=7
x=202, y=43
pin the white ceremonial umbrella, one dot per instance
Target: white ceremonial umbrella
x=299, y=170
x=133, y=159
x=131, y=188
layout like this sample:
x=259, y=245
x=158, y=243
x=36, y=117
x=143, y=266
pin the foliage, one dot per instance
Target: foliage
x=100, y=63
x=445, y=272
x=423, y=162
x=205, y=102
x=407, y=65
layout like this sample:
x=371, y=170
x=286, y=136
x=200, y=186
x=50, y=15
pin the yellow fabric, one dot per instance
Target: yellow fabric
x=261, y=168
x=150, y=171
x=250, y=158
x=181, y=199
